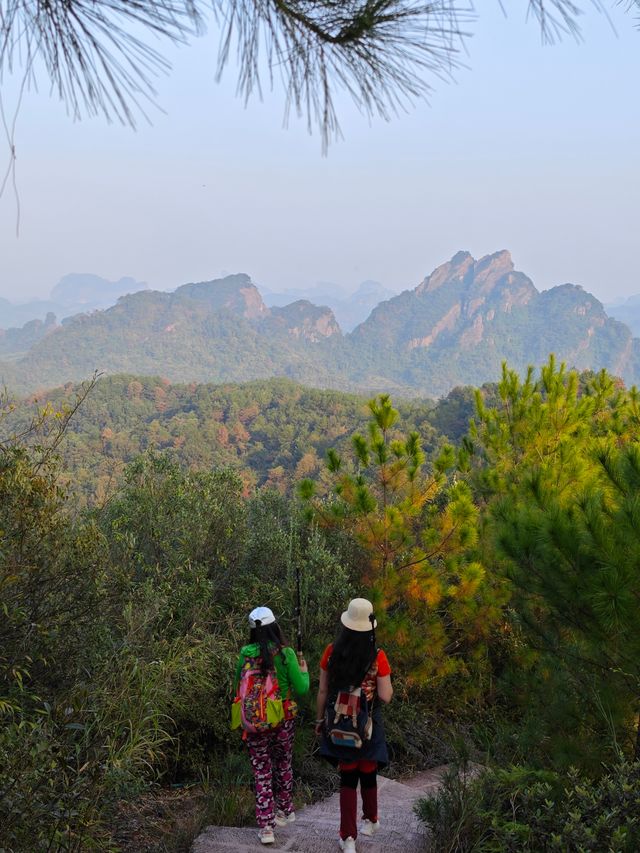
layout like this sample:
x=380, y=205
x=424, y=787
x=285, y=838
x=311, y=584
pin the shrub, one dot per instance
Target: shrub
x=519, y=810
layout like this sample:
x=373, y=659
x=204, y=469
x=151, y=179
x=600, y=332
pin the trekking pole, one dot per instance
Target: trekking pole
x=298, y=594
x=298, y=609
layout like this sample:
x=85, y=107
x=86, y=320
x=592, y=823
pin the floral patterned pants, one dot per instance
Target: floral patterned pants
x=270, y=755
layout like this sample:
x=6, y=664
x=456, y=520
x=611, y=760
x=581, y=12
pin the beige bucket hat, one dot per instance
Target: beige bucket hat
x=357, y=614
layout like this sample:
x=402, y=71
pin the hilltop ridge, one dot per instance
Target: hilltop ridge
x=454, y=327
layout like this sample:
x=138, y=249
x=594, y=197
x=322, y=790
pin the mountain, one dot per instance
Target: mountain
x=15, y=315
x=455, y=328
x=92, y=291
x=17, y=342
x=461, y=322
x=219, y=330
x=73, y=293
x=627, y=312
x=349, y=308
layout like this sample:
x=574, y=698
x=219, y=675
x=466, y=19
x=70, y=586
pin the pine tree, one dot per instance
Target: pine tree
x=418, y=533
x=560, y=475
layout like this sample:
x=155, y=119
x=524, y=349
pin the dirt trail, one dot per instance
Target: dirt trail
x=316, y=827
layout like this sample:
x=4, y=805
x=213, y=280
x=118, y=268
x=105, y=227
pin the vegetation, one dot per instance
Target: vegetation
x=517, y=809
x=456, y=327
x=418, y=533
x=558, y=472
x=504, y=570
x=121, y=630
x=272, y=433
x=555, y=469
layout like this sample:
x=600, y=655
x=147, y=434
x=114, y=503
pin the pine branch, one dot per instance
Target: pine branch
x=384, y=53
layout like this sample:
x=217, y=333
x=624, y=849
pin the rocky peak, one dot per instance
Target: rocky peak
x=454, y=270
x=304, y=320
x=235, y=293
x=488, y=271
x=482, y=275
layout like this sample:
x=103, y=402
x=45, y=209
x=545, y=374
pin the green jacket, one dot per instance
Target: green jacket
x=290, y=678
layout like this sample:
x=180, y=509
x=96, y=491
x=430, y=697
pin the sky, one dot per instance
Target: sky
x=533, y=148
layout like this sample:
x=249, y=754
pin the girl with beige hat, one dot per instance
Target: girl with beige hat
x=353, y=670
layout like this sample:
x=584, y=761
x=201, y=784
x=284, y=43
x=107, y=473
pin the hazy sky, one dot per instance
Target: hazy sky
x=535, y=149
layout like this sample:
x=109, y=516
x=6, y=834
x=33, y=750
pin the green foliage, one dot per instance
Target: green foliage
x=49, y=579
x=519, y=810
x=506, y=593
x=271, y=433
x=417, y=533
x=164, y=516
x=121, y=633
x=51, y=795
x=560, y=469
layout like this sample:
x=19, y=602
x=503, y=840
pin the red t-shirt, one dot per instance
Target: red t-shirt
x=379, y=669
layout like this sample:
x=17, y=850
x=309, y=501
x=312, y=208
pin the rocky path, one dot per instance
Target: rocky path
x=316, y=827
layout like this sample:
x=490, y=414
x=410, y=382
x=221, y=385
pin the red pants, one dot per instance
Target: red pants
x=350, y=773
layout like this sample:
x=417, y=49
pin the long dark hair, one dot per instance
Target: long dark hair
x=351, y=658
x=270, y=639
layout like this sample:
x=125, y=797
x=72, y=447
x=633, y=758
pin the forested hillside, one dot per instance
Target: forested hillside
x=455, y=328
x=272, y=432
x=504, y=572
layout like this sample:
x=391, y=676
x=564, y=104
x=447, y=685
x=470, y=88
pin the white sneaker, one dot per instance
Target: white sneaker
x=348, y=844
x=266, y=835
x=370, y=827
x=283, y=819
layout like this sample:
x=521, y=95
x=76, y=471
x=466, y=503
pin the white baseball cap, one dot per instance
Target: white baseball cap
x=357, y=615
x=263, y=615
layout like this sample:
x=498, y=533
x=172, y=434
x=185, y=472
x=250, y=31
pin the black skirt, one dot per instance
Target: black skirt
x=374, y=749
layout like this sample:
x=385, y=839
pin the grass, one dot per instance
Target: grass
x=167, y=820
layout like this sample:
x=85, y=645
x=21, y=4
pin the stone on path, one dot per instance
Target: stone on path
x=316, y=827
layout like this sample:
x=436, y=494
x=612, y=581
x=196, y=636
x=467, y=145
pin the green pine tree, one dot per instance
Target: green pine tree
x=417, y=532
x=560, y=474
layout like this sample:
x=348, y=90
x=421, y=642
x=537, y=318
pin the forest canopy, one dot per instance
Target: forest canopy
x=503, y=561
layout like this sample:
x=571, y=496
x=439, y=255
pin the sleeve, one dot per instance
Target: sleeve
x=298, y=681
x=384, y=667
x=236, y=679
x=324, y=660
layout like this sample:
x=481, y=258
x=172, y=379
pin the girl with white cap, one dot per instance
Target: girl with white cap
x=270, y=750
x=354, y=661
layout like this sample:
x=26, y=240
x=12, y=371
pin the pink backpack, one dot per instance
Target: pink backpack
x=258, y=699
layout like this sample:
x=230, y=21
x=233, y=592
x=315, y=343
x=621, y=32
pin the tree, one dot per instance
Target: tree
x=561, y=478
x=163, y=516
x=379, y=51
x=417, y=533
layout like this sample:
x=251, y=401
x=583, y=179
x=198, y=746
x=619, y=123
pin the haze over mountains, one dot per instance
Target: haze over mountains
x=73, y=293
x=350, y=309
x=455, y=327
x=627, y=311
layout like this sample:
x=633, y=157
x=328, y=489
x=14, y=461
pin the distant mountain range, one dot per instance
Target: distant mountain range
x=73, y=293
x=627, y=312
x=350, y=309
x=454, y=328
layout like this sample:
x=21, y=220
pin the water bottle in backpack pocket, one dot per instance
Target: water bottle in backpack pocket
x=258, y=704
x=348, y=721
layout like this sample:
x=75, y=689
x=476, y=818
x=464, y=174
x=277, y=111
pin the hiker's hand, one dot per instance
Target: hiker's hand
x=318, y=727
x=303, y=664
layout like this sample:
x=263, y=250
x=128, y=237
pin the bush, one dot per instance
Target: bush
x=519, y=810
x=51, y=786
